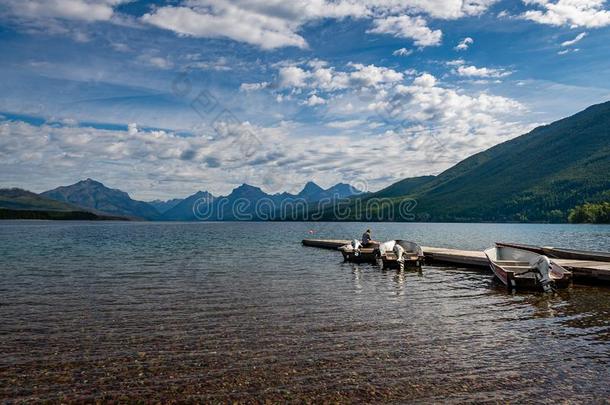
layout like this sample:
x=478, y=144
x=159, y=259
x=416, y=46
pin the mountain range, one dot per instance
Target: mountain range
x=245, y=202
x=539, y=176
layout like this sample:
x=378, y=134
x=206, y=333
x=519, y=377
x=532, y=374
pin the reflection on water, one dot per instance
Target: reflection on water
x=219, y=312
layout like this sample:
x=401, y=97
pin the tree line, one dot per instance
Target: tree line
x=590, y=213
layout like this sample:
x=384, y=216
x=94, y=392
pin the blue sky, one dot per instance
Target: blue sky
x=162, y=99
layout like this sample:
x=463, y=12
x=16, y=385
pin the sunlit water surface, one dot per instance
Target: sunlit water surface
x=221, y=312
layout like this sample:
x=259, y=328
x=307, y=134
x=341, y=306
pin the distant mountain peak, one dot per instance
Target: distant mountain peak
x=246, y=186
x=311, y=187
x=92, y=194
x=343, y=185
x=90, y=181
x=343, y=190
x=203, y=193
x=247, y=189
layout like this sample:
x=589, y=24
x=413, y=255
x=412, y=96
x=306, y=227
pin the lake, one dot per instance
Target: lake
x=218, y=312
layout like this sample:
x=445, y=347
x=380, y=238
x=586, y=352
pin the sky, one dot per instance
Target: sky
x=165, y=98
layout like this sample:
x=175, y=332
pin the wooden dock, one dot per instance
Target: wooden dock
x=583, y=270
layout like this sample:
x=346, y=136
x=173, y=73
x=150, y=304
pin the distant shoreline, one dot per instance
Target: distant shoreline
x=9, y=214
x=85, y=216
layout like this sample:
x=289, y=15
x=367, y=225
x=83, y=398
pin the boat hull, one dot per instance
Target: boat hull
x=360, y=257
x=500, y=273
x=393, y=263
x=368, y=254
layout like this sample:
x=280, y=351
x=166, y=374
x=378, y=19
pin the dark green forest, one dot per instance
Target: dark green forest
x=591, y=213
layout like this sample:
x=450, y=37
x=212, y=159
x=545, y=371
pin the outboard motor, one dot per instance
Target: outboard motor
x=543, y=267
x=356, y=245
x=398, y=251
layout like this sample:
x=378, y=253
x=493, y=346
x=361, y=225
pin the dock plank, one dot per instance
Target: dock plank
x=456, y=256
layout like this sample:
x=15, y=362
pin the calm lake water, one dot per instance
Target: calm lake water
x=218, y=312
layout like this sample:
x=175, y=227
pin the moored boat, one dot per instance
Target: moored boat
x=356, y=253
x=399, y=254
x=524, y=270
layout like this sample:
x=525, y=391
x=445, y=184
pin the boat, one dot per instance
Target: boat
x=562, y=253
x=398, y=254
x=522, y=269
x=356, y=253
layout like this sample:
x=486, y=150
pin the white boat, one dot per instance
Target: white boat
x=400, y=254
x=525, y=270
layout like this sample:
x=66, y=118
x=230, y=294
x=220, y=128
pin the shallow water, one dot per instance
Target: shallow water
x=241, y=311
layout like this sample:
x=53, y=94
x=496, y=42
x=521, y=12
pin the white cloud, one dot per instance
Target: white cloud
x=571, y=42
x=572, y=13
x=402, y=52
x=425, y=80
x=328, y=79
x=441, y=9
x=132, y=128
x=566, y=51
x=86, y=10
x=271, y=24
x=120, y=47
x=348, y=124
x=254, y=86
x=314, y=100
x=473, y=71
x=371, y=75
x=222, y=20
x=464, y=44
x=156, y=61
x=374, y=94
x=81, y=37
x=442, y=123
x=456, y=62
x=321, y=77
x=220, y=64
x=292, y=76
x=404, y=26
